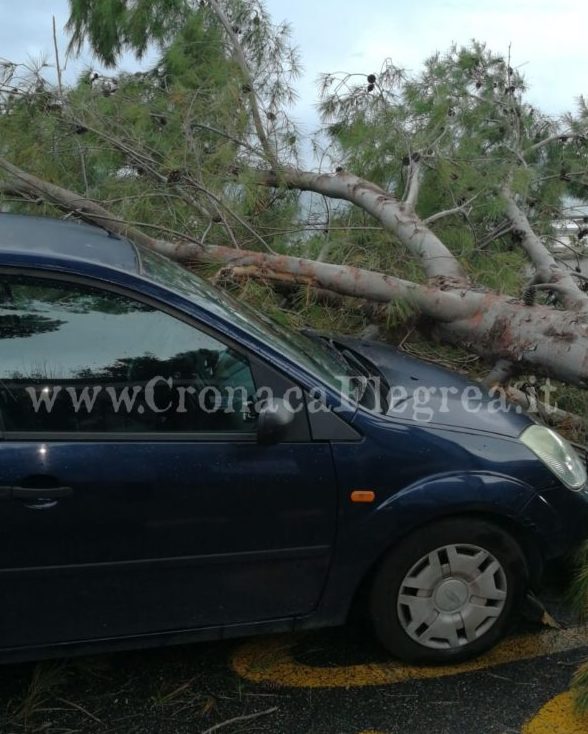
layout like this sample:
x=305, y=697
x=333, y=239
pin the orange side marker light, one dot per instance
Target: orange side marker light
x=363, y=495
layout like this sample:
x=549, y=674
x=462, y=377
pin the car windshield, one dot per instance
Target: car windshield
x=315, y=355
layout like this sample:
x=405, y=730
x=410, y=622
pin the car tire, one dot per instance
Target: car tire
x=448, y=591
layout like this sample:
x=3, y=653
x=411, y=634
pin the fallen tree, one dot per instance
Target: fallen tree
x=535, y=337
x=476, y=160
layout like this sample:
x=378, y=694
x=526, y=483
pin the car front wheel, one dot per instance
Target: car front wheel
x=448, y=591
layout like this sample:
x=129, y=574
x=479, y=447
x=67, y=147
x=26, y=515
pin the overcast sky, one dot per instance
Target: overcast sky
x=548, y=38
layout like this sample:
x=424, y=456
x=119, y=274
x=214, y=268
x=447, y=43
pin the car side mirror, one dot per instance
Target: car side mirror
x=273, y=418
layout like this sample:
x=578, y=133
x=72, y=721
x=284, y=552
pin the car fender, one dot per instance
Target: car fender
x=368, y=532
x=454, y=493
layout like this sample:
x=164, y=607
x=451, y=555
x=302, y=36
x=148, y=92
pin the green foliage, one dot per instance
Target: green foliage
x=110, y=26
x=173, y=148
x=466, y=120
x=499, y=268
x=161, y=148
x=398, y=312
x=301, y=307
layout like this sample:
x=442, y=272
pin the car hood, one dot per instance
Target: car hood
x=428, y=393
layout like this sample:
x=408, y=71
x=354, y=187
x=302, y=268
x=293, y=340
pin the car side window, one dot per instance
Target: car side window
x=75, y=358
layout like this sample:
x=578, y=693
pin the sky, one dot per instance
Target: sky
x=547, y=39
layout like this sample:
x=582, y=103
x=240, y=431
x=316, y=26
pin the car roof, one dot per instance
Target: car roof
x=67, y=240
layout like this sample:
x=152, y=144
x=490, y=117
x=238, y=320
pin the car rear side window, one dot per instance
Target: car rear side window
x=75, y=358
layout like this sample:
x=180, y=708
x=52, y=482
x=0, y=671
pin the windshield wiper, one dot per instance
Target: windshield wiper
x=360, y=371
x=356, y=363
x=369, y=371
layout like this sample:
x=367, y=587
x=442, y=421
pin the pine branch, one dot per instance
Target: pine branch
x=268, y=148
x=415, y=177
x=547, y=269
x=57, y=63
x=450, y=212
x=552, y=138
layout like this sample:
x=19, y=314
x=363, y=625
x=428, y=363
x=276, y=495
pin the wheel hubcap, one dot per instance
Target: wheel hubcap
x=452, y=596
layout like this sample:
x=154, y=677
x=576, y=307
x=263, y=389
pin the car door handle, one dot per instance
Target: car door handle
x=32, y=493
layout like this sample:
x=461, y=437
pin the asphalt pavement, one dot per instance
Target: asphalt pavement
x=336, y=681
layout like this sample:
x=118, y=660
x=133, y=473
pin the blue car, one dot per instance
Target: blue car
x=175, y=467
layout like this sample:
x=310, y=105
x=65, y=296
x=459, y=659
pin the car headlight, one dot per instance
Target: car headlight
x=557, y=454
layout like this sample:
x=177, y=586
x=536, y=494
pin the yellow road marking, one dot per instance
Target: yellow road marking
x=269, y=660
x=557, y=717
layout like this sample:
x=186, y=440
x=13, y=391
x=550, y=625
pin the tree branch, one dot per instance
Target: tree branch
x=548, y=270
x=57, y=63
x=449, y=212
x=223, y=134
x=241, y=59
x=150, y=166
x=415, y=177
x=436, y=260
x=552, y=139
x=27, y=185
x=344, y=280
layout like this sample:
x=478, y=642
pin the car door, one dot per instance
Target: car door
x=134, y=497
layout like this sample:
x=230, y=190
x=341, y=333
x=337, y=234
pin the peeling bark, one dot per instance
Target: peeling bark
x=537, y=338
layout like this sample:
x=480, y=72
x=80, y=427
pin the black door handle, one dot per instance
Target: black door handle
x=33, y=493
